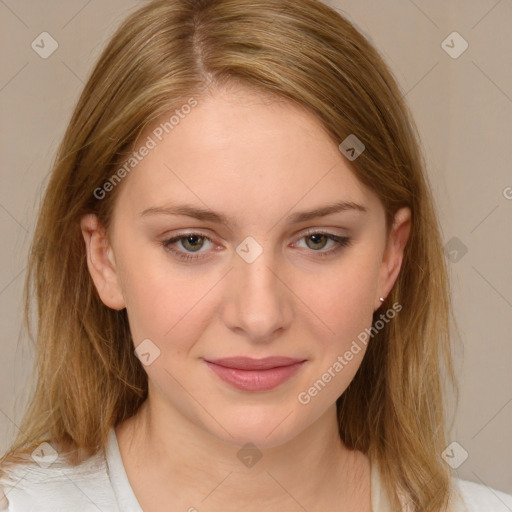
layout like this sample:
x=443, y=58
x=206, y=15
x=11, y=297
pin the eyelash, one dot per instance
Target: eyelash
x=341, y=242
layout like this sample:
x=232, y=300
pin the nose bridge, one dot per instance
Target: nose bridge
x=259, y=277
x=260, y=303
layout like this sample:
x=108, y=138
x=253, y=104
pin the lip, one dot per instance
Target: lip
x=249, y=374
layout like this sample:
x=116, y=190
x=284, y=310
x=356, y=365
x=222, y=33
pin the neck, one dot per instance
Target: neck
x=164, y=453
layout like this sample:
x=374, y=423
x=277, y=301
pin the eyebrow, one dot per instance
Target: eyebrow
x=209, y=215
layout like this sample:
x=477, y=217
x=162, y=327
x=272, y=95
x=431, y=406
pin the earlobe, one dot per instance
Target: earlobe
x=393, y=256
x=101, y=262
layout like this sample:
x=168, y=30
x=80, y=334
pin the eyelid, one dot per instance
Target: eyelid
x=168, y=239
x=326, y=231
x=299, y=234
x=340, y=242
x=186, y=256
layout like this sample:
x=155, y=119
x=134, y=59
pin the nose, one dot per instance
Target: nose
x=258, y=302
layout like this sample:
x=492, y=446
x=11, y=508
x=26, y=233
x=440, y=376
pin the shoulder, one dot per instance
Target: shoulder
x=480, y=498
x=31, y=486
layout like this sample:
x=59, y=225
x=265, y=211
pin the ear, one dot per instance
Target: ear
x=393, y=254
x=101, y=263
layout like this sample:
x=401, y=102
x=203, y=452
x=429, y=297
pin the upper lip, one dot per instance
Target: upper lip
x=248, y=363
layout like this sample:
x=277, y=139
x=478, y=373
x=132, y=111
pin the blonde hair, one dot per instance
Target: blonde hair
x=88, y=378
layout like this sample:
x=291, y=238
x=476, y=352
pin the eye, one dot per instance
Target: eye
x=317, y=240
x=190, y=242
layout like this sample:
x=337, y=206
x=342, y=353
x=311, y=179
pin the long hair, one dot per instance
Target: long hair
x=87, y=378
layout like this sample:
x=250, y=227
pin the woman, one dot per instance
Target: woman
x=227, y=263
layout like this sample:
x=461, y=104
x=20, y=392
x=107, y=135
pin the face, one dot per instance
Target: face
x=264, y=281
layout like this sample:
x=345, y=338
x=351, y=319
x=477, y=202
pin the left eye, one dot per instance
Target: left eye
x=194, y=242
x=320, y=239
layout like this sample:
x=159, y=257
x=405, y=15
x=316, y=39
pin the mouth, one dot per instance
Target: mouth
x=247, y=374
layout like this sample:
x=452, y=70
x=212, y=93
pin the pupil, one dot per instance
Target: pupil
x=192, y=240
x=317, y=238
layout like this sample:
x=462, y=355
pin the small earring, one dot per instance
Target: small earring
x=381, y=299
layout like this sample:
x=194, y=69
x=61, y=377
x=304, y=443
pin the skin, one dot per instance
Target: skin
x=256, y=161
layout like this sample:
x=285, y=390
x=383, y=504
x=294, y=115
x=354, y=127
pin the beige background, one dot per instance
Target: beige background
x=463, y=108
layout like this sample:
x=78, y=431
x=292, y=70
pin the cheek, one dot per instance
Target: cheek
x=172, y=304
x=342, y=300
x=343, y=309
x=158, y=310
x=165, y=303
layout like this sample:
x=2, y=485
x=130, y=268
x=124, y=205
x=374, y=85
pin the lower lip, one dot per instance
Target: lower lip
x=255, y=380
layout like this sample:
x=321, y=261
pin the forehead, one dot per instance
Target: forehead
x=240, y=151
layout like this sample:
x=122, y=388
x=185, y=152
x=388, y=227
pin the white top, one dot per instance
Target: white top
x=100, y=484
